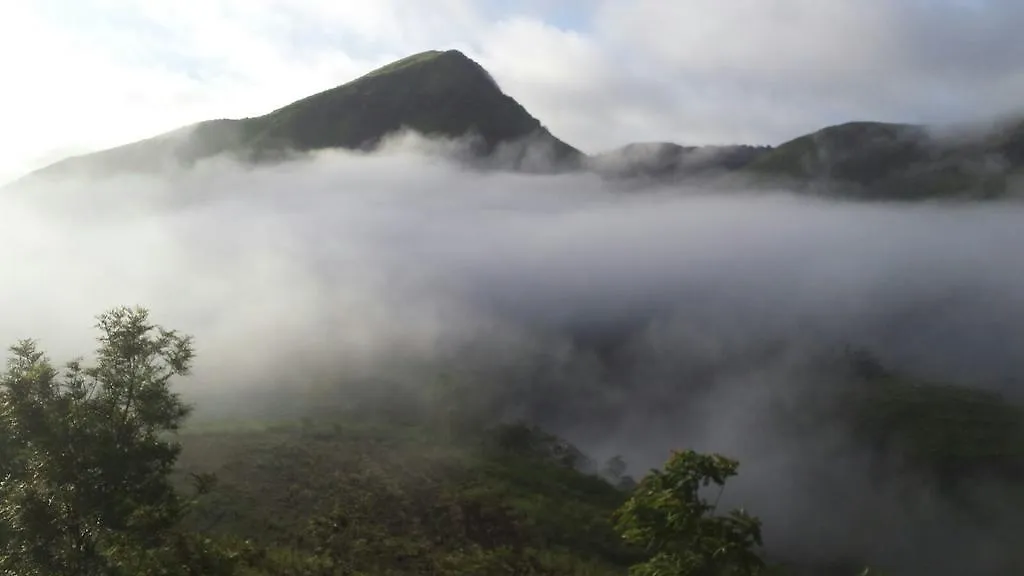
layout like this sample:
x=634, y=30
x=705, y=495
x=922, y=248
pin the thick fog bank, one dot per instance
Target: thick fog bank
x=632, y=322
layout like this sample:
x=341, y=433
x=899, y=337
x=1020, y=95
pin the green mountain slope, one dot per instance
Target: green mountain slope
x=407, y=500
x=954, y=433
x=436, y=93
x=868, y=160
x=951, y=432
x=422, y=497
x=903, y=161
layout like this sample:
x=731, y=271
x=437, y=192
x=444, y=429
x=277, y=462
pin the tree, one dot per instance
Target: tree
x=667, y=516
x=85, y=454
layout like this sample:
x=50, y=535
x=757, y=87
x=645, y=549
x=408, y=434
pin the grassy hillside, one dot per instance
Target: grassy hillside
x=412, y=488
x=436, y=93
x=406, y=500
x=893, y=161
x=956, y=433
x=952, y=433
x=867, y=160
x=890, y=145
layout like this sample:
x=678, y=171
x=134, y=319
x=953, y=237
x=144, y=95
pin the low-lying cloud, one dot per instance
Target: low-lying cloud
x=632, y=322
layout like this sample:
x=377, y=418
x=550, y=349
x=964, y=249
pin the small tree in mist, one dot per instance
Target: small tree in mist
x=85, y=461
x=667, y=516
x=614, y=468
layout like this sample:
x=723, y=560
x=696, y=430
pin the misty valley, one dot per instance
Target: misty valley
x=428, y=337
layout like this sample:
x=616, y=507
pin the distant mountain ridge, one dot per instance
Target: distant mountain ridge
x=904, y=161
x=446, y=94
x=668, y=160
x=867, y=160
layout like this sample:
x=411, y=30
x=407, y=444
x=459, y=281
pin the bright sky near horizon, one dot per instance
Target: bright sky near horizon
x=80, y=75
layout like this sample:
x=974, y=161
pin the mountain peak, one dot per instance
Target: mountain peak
x=437, y=93
x=444, y=62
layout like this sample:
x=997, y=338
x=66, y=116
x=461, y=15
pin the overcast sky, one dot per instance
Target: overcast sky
x=87, y=74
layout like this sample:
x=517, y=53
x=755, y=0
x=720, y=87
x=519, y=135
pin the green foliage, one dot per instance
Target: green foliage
x=667, y=516
x=531, y=442
x=382, y=499
x=84, y=472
